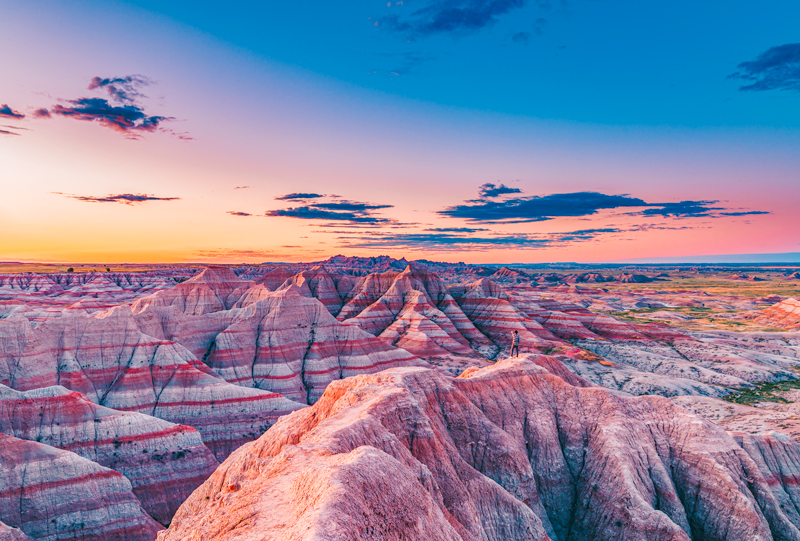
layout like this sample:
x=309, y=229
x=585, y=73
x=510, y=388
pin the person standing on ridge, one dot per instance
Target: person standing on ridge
x=515, y=344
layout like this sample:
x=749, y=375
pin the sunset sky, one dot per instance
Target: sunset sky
x=458, y=130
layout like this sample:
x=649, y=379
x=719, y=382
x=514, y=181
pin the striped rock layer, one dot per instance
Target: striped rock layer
x=107, y=358
x=783, y=315
x=164, y=462
x=507, y=452
x=54, y=495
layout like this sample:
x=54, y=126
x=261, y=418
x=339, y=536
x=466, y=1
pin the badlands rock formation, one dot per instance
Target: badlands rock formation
x=164, y=462
x=53, y=494
x=783, y=315
x=107, y=358
x=503, y=453
x=7, y=533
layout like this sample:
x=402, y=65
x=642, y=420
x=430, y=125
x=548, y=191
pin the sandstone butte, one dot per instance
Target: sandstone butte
x=508, y=452
x=52, y=494
x=164, y=462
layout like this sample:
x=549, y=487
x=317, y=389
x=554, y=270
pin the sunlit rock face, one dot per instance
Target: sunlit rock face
x=107, y=358
x=164, y=462
x=507, y=452
x=53, y=494
x=783, y=315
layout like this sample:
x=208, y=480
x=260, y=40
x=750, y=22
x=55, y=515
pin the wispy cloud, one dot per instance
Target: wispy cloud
x=446, y=16
x=125, y=198
x=466, y=241
x=237, y=213
x=6, y=132
x=241, y=187
x=8, y=112
x=298, y=195
x=777, y=68
x=122, y=89
x=334, y=209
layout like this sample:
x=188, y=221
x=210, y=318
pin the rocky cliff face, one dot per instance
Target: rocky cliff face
x=504, y=453
x=53, y=494
x=164, y=462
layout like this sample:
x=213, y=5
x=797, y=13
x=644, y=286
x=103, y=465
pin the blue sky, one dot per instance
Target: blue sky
x=594, y=61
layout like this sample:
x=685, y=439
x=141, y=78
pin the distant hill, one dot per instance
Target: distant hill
x=787, y=257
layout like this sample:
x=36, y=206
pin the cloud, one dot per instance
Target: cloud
x=456, y=229
x=236, y=213
x=490, y=190
x=128, y=119
x=539, y=26
x=539, y=208
x=241, y=187
x=744, y=213
x=8, y=112
x=402, y=63
x=777, y=68
x=122, y=89
x=521, y=37
x=462, y=241
x=125, y=198
x=445, y=16
x=488, y=210
x=291, y=196
x=335, y=209
x=6, y=132
x=125, y=115
x=313, y=213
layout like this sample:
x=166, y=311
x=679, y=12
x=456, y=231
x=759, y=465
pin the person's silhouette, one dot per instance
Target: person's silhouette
x=515, y=344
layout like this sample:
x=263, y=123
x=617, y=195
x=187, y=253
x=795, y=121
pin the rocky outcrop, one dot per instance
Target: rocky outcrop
x=507, y=452
x=783, y=315
x=107, y=358
x=53, y=494
x=7, y=533
x=292, y=345
x=164, y=462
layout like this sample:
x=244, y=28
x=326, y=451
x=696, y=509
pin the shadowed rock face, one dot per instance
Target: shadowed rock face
x=164, y=462
x=7, y=533
x=509, y=452
x=56, y=495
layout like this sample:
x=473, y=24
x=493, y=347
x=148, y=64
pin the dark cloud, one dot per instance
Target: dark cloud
x=236, y=213
x=682, y=209
x=744, y=213
x=539, y=208
x=489, y=190
x=127, y=119
x=355, y=213
x=125, y=198
x=6, y=132
x=125, y=115
x=539, y=25
x=777, y=68
x=456, y=229
x=290, y=196
x=121, y=89
x=314, y=213
x=444, y=16
x=462, y=241
x=8, y=112
x=521, y=37
x=355, y=206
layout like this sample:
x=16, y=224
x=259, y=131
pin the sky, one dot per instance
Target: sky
x=484, y=131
